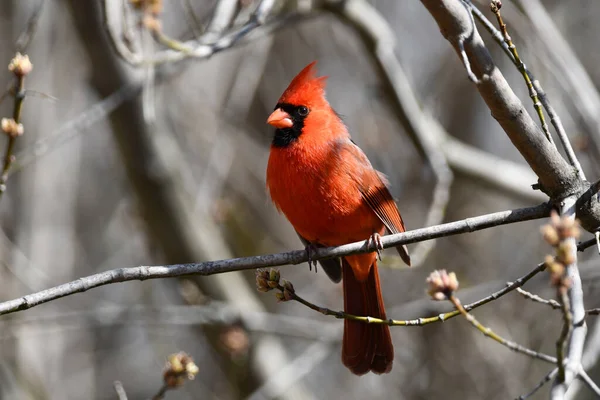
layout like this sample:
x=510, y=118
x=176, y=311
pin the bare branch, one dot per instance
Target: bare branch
x=522, y=68
x=488, y=332
x=270, y=260
x=221, y=20
x=543, y=98
x=557, y=178
x=20, y=66
x=591, y=355
x=586, y=98
x=547, y=378
x=576, y=310
x=202, y=48
x=589, y=382
x=534, y=297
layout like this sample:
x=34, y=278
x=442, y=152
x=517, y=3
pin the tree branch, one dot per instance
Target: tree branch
x=543, y=98
x=557, y=178
x=271, y=260
x=204, y=47
x=576, y=311
x=580, y=87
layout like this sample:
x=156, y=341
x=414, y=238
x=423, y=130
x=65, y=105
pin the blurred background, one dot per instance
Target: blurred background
x=162, y=164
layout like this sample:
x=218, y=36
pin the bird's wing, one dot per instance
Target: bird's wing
x=373, y=188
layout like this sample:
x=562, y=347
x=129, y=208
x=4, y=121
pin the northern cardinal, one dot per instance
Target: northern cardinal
x=326, y=187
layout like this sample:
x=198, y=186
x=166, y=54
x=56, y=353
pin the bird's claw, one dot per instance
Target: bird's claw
x=375, y=241
x=310, y=250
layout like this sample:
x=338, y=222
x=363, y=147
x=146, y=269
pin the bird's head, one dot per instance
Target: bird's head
x=300, y=107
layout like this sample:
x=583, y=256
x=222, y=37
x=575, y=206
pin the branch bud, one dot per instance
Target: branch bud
x=11, y=127
x=179, y=367
x=20, y=65
x=441, y=285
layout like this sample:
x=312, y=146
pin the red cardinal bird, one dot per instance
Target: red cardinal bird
x=328, y=190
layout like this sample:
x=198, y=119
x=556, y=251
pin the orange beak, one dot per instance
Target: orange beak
x=280, y=119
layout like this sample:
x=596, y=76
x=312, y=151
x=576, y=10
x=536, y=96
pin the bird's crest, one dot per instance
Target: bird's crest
x=306, y=88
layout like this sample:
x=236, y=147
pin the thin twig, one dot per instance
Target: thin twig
x=571, y=74
x=589, y=382
x=161, y=392
x=272, y=260
x=551, y=302
x=287, y=292
x=495, y=6
x=554, y=118
x=582, y=246
x=557, y=178
x=422, y=320
x=18, y=93
x=534, y=297
x=565, y=333
x=549, y=376
x=589, y=360
x=180, y=50
x=494, y=336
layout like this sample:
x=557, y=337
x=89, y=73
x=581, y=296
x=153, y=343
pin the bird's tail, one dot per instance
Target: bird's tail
x=366, y=347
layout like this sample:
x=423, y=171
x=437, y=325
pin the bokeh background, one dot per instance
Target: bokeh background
x=144, y=166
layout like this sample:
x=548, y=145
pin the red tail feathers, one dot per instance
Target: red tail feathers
x=366, y=347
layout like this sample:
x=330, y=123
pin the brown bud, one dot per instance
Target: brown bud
x=272, y=278
x=262, y=280
x=280, y=296
x=495, y=6
x=20, y=65
x=564, y=253
x=287, y=295
x=556, y=271
x=550, y=235
x=565, y=226
x=179, y=367
x=441, y=285
x=273, y=284
x=274, y=275
x=572, y=231
x=263, y=273
x=11, y=128
x=288, y=286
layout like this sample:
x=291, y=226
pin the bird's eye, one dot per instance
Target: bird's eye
x=303, y=111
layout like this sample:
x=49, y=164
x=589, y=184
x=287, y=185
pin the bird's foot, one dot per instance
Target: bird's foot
x=310, y=250
x=375, y=240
